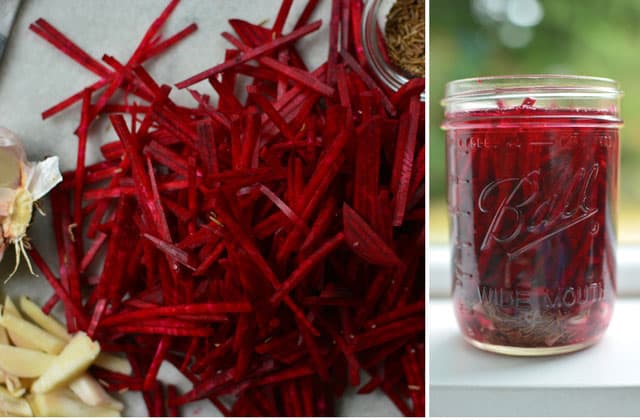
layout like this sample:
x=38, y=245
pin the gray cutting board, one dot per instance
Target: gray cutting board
x=36, y=76
x=8, y=11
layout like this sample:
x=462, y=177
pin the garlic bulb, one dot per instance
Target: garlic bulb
x=22, y=183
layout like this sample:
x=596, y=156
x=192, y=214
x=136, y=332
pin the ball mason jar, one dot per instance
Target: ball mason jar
x=532, y=166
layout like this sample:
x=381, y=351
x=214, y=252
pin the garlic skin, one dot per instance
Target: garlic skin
x=21, y=184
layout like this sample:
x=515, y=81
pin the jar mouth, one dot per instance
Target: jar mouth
x=597, y=97
x=372, y=24
x=548, y=86
x=392, y=77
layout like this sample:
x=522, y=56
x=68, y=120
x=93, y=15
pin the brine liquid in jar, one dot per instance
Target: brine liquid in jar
x=532, y=195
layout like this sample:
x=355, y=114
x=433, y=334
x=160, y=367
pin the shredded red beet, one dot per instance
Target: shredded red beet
x=542, y=270
x=271, y=249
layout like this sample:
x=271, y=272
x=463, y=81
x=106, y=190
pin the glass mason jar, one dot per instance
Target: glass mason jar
x=373, y=22
x=532, y=167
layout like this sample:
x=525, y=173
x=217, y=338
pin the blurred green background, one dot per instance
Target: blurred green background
x=471, y=38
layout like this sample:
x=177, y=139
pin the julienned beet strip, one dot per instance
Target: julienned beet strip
x=251, y=54
x=270, y=248
x=558, y=248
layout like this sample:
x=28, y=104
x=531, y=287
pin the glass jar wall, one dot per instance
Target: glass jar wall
x=532, y=193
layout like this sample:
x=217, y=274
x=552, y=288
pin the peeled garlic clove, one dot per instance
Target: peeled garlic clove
x=24, y=363
x=31, y=336
x=46, y=322
x=63, y=403
x=74, y=359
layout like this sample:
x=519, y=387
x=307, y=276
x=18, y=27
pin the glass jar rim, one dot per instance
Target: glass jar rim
x=523, y=85
x=391, y=76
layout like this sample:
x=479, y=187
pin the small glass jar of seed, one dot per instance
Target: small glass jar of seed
x=393, y=38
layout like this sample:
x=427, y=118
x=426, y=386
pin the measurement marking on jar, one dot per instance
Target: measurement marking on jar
x=475, y=142
x=455, y=179
x=605, y=141
x=461, y=245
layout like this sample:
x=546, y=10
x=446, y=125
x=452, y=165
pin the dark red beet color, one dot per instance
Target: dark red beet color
x=532, y=194
x=270, y=250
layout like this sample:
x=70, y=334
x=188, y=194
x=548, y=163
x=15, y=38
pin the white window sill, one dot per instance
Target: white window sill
x=603, y=380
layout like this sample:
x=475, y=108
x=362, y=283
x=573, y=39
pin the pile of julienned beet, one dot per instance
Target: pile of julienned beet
x=271, y=250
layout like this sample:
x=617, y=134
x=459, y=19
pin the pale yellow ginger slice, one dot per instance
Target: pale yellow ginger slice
x=113, y=363
x=25, y=334
x=64, y=403
x=106, y=361
x=11, y=406
x=57, y=379
x=13, y=384
x=24, y=363
x=46, y=322
x=92, y=393
x=74, y=359
x=26, y=382
x=4, y=338
x=10, y=308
